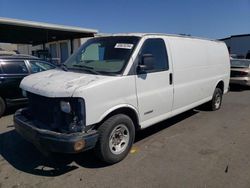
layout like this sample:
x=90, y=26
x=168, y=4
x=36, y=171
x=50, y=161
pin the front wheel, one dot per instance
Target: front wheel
x=116, y=137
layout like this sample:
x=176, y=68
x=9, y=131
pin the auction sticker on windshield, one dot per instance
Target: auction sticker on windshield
x=124, y=46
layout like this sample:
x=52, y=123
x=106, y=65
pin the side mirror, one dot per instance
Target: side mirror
x=147, y=63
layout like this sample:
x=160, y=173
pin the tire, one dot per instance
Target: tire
x=2, y=106
x=216, y=101
x=116, y=137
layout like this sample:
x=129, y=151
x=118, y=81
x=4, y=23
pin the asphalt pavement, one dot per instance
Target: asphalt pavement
x=198, y=148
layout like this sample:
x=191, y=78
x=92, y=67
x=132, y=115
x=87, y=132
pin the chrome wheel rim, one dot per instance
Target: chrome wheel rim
x=119, y=139
x=217, y=100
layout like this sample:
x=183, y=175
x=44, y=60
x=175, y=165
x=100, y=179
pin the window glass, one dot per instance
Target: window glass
x=240, y=63
x=14, y=67
x=157, y=48
x=92, y=53
x=38, y=66
x=103, y=55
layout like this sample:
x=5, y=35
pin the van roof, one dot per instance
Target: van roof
x=161, y=34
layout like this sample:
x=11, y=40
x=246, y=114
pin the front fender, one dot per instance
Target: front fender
x=106, y=113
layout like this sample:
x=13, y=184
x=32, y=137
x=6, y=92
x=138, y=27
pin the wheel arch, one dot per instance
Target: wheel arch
x=126, y=109
x=220, y=84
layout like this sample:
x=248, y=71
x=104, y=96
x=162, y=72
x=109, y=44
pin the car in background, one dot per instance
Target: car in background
x=240, y=72
x=13, y=68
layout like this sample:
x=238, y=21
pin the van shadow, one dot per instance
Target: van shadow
x=23, y=156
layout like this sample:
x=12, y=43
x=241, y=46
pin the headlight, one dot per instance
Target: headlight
x=65, y=106
x=74, y=116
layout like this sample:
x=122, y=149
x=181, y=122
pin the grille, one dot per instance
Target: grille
x=46, y=113
x=42, y=108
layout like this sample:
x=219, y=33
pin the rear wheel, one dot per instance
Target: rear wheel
x=2, y=106
x=216, y=101
x=116, y=137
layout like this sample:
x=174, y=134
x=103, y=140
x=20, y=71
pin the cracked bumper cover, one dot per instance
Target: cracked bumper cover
x=53, y=141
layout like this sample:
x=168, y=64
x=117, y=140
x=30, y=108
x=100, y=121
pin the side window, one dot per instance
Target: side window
x=156, y=49
x=92, y=53
x=14, y=67
x=38, y=66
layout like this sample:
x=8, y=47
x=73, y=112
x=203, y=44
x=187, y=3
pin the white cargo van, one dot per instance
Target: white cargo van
x=115, y=85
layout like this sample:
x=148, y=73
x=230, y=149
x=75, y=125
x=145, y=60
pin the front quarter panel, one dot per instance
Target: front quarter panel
x=104, y=97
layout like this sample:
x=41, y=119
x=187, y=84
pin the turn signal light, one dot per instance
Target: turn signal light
x=79, y=145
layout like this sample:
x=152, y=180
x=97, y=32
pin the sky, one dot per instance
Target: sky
x=204, y=18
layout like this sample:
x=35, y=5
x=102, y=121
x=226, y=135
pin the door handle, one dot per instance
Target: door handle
x=170, y=78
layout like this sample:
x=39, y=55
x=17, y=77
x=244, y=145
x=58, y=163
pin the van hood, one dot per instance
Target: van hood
x=58, y=83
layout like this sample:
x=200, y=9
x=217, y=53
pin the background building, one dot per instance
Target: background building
x=51, y=42
x=59, y=51
x=8, y=47
x=239, y=45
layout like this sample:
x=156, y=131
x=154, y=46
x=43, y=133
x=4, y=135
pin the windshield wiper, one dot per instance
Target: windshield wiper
x=87, y=68
x=64, y=67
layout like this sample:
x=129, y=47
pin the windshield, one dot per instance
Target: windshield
x=103, y=55
x=240, y=63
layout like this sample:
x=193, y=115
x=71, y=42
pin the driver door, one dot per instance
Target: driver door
x=154, y=83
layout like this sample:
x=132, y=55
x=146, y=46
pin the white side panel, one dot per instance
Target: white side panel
x=198, y=65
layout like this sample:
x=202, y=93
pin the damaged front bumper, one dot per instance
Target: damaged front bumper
x=47, y=140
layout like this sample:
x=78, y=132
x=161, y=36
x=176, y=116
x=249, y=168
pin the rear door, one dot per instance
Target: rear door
x=154, y=87
x=13, y=72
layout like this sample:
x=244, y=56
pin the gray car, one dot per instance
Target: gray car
x=240, y=72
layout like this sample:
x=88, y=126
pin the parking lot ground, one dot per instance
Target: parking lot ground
x=195, y=149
